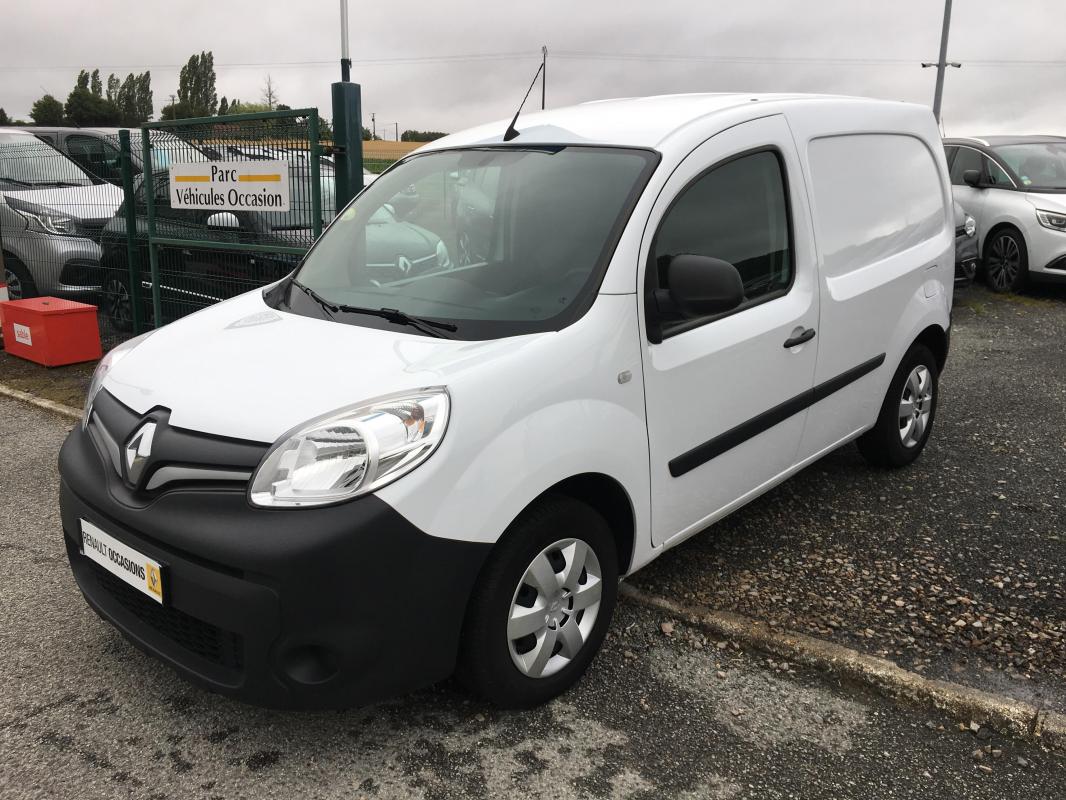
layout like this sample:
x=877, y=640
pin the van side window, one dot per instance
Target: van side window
x=965, y=159
x=736, y=212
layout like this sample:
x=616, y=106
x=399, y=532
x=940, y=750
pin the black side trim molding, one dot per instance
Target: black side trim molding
x=701, y=454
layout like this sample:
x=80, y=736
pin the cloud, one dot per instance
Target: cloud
x=776, y=45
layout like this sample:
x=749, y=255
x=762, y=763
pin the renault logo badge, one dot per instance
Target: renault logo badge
x=138, y=451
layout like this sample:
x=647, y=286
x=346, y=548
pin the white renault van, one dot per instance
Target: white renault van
x=349, y=485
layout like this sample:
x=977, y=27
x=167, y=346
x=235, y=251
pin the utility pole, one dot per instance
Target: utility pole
x=173, y=111
x=373, y=126
x=397, y=124
x=346, y=61
x=543, y=74
x=942, y=64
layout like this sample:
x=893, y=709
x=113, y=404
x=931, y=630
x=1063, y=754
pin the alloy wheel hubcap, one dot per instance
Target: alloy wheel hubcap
x=1005, y=262
x=554, y=608
x=118, y=301
x=915, y=406
x=14, y=285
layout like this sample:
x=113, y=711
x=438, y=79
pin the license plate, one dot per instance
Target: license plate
x=139, y=571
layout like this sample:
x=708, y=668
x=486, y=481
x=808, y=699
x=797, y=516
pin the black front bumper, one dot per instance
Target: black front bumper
x=300, y=608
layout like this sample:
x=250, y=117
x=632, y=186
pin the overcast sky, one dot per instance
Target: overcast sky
x=416, y=59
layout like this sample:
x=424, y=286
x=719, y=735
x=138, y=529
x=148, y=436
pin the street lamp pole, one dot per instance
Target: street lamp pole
x=346, y=61
x=942, y=64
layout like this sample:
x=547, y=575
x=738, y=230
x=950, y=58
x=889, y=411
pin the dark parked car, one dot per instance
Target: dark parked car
x=198, y=276
x=966, y=252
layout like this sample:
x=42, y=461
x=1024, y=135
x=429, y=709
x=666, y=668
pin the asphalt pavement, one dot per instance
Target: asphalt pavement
x=955, y=566
x=664, y=711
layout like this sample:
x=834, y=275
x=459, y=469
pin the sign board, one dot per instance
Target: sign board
x=23, y=334
x=230, y=185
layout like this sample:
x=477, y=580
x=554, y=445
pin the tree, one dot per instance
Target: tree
x=421, y=136
x=83, y=81
x=197, y=96
x=5, y=119
x=94, y=84
x=47, y=111
x=83, y=108
x=270, y=94
x=223, y=106
x=143, y=97
x=237, y=107
x=113, y=85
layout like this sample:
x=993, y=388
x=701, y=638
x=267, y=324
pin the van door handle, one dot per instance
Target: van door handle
x=800, y=338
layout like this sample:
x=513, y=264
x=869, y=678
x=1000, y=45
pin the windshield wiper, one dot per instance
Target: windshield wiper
x=327, y=306
x=427, y=326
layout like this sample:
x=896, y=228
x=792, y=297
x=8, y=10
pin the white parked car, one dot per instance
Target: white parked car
x=342, y=487
x=1015, y=189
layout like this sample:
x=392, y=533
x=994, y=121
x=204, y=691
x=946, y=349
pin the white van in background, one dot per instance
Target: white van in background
x=343, y=487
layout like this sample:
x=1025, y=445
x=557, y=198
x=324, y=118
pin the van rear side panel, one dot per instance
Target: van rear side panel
x=885, y=237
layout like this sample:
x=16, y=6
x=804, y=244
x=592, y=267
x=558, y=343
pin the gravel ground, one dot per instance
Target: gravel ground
x=664, y=711
x=955, y=566
x=61, y=384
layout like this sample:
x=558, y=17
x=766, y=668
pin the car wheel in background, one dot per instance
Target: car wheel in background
x=1006, y=261
x=907, y=414
x=19, y=282
x=118, y=305
x=541, y=606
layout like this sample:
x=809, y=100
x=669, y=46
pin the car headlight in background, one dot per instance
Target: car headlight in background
x=107, y=363
x=970, y=226
x=44, y=220
x=1055, y=220
x=352, y=451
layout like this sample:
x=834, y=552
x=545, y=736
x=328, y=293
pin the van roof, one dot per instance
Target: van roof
x=628, y=121
x=996, y=141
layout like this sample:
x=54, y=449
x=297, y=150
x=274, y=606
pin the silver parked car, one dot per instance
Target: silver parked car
x=51, y=216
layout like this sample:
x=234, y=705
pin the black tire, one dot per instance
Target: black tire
x=1006, y=261
x=117, y=302
x=485, y=665
x=16, y=274
x=883, y=445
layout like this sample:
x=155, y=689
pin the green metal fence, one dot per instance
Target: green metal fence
x=99, y=224
x=190, y=253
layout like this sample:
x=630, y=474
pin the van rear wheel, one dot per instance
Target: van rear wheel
x=906, y=420
x=541, y=606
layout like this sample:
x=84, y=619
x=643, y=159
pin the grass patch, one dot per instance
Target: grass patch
x=66, y=385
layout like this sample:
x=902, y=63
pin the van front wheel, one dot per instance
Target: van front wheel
x=542, y=605
x=906, y=419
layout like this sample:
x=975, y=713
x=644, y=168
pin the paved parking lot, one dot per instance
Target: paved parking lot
x=664, y=712
x=956, y=566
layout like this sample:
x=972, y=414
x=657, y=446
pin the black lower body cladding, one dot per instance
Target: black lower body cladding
x=302, y=608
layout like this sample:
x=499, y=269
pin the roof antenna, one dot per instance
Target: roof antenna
x=511, y=133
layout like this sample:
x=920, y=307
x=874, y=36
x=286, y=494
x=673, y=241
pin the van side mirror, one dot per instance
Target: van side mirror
x=972, y=177
x=701, y=286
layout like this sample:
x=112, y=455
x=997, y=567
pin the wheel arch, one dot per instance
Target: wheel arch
x=607, y=497
x=999, y=226
x=937, y=340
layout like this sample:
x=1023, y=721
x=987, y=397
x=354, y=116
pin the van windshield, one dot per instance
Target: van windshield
x=492, y=241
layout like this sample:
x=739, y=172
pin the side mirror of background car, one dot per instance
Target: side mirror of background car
x=972, y=177
x=223, y=219
x=701, y=286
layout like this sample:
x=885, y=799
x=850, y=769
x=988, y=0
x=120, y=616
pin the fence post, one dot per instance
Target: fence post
x=348, y=141
x=153, y=255
x=316, y=182
x=126, y=165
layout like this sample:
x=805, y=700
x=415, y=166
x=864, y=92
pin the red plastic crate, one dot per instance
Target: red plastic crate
x=51, y=331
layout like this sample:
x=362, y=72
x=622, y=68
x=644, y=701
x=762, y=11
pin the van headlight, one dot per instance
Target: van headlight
x=352, y=451
x=444, y=261
x=1052, y=219
x=107, y=363
x=44, y=220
